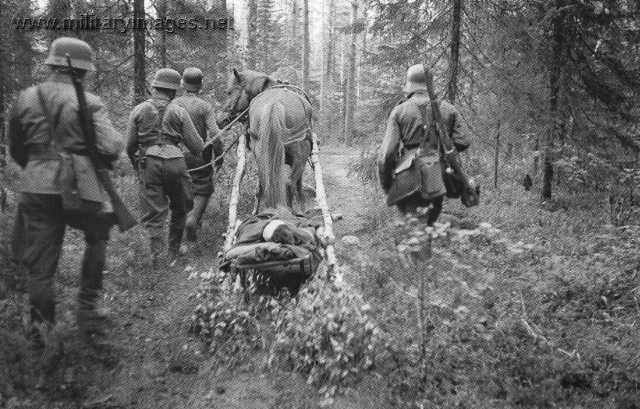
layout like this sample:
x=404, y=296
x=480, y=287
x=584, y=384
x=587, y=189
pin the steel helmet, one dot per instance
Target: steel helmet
x=166, y=78
x=192, y=79
x=415, y=79
x=79, y=51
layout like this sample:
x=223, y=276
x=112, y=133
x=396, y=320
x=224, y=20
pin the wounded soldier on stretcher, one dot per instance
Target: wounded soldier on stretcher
x=277, y=235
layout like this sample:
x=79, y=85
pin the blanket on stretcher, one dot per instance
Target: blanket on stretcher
x=276, y=235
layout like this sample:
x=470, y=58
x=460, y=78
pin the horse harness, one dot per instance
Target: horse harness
x=243, y=117
x=304, y=133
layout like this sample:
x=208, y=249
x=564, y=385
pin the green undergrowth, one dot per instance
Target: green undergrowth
x=535, y=307
x=325, y=333
x=527, y=304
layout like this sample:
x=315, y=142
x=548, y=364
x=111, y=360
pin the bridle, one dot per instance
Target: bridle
x=240, y=87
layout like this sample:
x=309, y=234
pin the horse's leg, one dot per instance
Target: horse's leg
x=300, y=193
x=295, y=181
x=259, y=188
x=289, y=195
x=259, y=193
x=286, y=180
x=289, y=160
x=303, y=155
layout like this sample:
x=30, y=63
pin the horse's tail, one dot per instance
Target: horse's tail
x=271, y=153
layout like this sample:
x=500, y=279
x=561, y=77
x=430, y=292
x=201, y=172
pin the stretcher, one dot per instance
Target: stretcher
x=296, y=269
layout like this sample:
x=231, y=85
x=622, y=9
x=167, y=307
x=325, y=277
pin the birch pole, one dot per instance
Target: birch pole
x=321, y=198
x=235, y=195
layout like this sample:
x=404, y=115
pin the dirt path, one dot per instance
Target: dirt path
x=148, y=359
x=346, y=195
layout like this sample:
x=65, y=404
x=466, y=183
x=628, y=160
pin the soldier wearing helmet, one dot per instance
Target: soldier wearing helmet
x=158, y=130
x=46, y=140
x=204, y=118
x=411, y=134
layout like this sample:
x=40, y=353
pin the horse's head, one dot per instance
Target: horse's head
x=243, y=87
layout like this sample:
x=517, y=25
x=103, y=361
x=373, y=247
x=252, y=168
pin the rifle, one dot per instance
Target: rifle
x=456, y=181
x=441, y=129
x=124, y=218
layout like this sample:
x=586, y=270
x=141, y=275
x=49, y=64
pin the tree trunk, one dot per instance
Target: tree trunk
x=323, y=78
x=351, y=77
x=331, y=46
x=454, y=60
x=496, y=159
x=3, y=88
x=219, y=44
x=294, y=49
x=305, y=47
x=536, y=158
x=162, y=46
x=554, y=95
x=252, y=41
x=58, y=9
x=139, y=89
x=328, y=66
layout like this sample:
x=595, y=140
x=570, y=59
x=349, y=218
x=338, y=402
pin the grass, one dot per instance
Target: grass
x=129, y=284
x=541, y=314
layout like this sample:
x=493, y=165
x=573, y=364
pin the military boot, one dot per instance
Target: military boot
x=91, y=319
x=194, y=218
x=175, y=239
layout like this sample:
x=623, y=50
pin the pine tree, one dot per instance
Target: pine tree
x=139, y=86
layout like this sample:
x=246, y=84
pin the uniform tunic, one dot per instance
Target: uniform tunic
x=44, y=220
x=204, y=119
x=405, y=129
x=158, y=129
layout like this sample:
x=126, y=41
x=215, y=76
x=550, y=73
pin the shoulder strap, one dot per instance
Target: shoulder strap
x=162, y=110
x=52, y=122
x=426, y=125
x=443, y=140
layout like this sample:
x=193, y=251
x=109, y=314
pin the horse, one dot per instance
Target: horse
x=279, y=134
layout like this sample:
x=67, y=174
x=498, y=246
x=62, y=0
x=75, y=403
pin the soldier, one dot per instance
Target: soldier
x=157, y=131
x=47, y=142
x=411, y=134
x=203, y=116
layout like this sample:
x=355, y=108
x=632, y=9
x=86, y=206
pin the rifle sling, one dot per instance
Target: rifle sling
x=426, y=126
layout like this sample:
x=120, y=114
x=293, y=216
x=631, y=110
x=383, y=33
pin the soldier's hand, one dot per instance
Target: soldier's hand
x=451, y=156
x=386, y=179
x=207, y=153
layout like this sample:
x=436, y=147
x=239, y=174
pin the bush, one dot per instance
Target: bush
x=328, y=335
x=225, y=322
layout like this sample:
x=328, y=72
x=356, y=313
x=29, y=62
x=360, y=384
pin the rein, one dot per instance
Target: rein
x=209, y=142
x=294, y=88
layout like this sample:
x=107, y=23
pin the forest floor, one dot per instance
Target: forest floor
x=148, y=359
x=535, y=306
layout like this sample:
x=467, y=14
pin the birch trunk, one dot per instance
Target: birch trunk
x=235, y=195
x=321, y=198
x=306, y=47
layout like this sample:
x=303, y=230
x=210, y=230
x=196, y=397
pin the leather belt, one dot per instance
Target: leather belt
x=46, y=152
